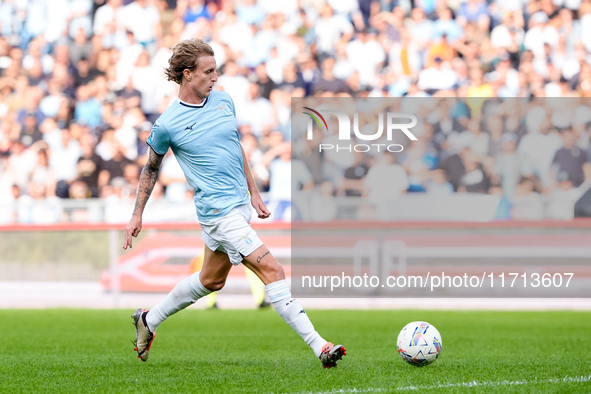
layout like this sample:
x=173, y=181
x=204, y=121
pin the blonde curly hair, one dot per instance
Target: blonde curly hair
x=185, y=55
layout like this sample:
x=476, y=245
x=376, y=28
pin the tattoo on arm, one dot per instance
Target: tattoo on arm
x=261, y=257
x=147, y=181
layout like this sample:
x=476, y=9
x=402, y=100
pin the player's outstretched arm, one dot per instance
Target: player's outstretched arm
x=255, y=196
x=146, y=184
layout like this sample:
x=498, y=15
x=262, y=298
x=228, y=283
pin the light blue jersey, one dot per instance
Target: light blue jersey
x=206, y=144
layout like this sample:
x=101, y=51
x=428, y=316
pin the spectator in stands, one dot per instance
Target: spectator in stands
x=405, y=57
x=81, y=48
x=91, y=167
x=236, y=34
x=494, y=126
x=63, y=160
x=35, y=21
x=437, y=183
x=441, y=49
x=256, y=111
x=108, y=14
x=84, y=74
x=562, y=199
x=417, y=162
x=43, y=174
x=571, y=160
x=329, y=29
x=508, y=34
x=266, y=84
x=30, y=132
x=37, y=207
x=539, y=146
x=353, y=183
x=475, y=179
x=143, y=19
x=539, y=33
x=79, y=190
x=478, y=140
x=509, y=167
x=116, y=165
x=380, y=193
x=478, y=90
x=50, y=104
x=117, y=192
x=327, y=81
x=88, y=108
x=420, y=28
x=436, y=77
x=474, y=11
x=8, y=179
x=367, y=56
x=130, y=94
x=248, y=12
x=131, y=174
x=79, y=17
x=30, y=105
x=196, y=9
x=292, y=79
x=448, y=26
x=527, y=203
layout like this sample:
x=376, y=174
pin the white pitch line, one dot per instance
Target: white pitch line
x=566, y=379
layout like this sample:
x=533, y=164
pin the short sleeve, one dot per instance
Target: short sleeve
x=232, y=106
x=159, y=139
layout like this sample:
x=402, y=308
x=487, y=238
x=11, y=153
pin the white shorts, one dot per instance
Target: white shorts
x=232, y=234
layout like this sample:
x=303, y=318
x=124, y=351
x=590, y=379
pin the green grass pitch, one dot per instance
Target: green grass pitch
x=254, y=351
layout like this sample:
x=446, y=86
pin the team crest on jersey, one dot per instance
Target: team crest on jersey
x=224, y=109
x=246, y=238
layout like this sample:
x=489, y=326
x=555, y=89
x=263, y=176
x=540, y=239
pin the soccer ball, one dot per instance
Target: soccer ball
x=419, y=343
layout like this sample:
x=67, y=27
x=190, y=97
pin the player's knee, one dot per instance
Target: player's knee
x=275, y=272
x=213, y=284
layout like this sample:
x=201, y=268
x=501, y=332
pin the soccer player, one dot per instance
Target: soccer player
x=200, y=128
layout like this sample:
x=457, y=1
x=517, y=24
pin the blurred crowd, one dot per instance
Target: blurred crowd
x=82, y=81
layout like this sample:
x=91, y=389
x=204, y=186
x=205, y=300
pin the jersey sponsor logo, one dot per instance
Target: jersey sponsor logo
x=190, y=127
